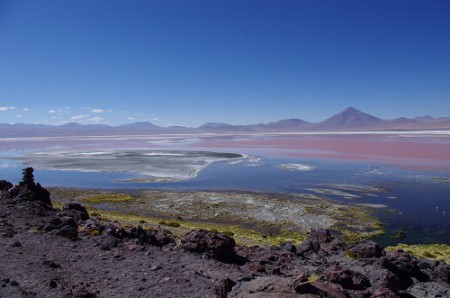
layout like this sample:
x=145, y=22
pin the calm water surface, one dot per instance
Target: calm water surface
x=421, y=204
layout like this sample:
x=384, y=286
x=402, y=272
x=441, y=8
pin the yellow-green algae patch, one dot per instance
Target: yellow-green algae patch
x=90, y=196
x=108, y=198
x=440, y=252
x=252, y=218
x=241, y=235
x=348, y=222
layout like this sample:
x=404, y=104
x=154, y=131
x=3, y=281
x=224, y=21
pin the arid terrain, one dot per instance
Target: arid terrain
x=48, y=252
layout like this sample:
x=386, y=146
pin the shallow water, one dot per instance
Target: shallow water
x=402, y=169
x=420, y=204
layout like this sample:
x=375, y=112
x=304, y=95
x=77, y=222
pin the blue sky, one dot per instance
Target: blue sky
x=189, y=62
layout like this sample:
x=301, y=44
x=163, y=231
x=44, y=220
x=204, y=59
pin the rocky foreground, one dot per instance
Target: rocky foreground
x=48, y=252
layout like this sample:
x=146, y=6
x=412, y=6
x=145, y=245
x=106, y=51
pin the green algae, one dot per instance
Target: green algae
x=241, y=235
x=89, y=196
x=440, y=252
x=108, y=198
x=355, y=224
x=251, y=218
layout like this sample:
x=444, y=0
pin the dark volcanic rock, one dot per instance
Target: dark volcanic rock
x=116, y=230
x=81, y=291
x=155, y=237
x=163, y=237
x=109, y=242
x=405, y=267
x=141, y=235
x=38, y=208
x=365, y=249
x=37, y=193
x=225, y=286
x=322, y=242
x=288, y=247
x=383, y=278
x=214, y=244
x=266, y=287
x=5, y=185
x=320, y=289
x=429, y=289
x=42, y=195
x=321, y=236
x=379, y=293
x=92, y=226
x=305, y=247
x=6, y=229
x=63, y=226
x=257, y=268
x=29, y=191
x=51, y=264
x=442, y=272
x=401, y=262
x=26, y=191
x=77, y=211
x=16, y=244
x=347, y=278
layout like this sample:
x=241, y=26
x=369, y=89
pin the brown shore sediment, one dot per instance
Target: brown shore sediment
x=253, y=218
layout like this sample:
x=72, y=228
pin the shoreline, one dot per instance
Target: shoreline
x=263, y=214
x=406, y=149
x=61, y=248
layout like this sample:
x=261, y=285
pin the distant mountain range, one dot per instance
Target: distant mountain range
x=350, y=119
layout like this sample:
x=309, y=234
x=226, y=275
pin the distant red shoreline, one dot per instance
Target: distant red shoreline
x=418, y=151
x=415, y=152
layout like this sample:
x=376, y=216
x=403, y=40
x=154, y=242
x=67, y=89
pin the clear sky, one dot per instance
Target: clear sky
x=237, y=61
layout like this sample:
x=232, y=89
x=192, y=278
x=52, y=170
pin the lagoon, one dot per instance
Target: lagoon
x=410, y=196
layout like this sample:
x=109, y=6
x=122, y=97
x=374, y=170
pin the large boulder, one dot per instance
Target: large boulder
x=434, y=270
x=321, y=241
x=38, y=208
x=383, y=278
x=157, y=237
x=319, y=289
x=321, y=236
x=288, y=247
x=76, y=210
x=116, y=230
x=365, y=249
x=224, y=287
x=34, y=195
x=442, y=272
x=213, y=244
x=347, y=278
x=429, y=289
x=305, y=247
x=402, y=262
x=404, y=266
x=5, y=185
x=108, y=242
x=92, y=227
x=41, y=194
x=163, y=237
x=63, y=226
x=269, y=287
